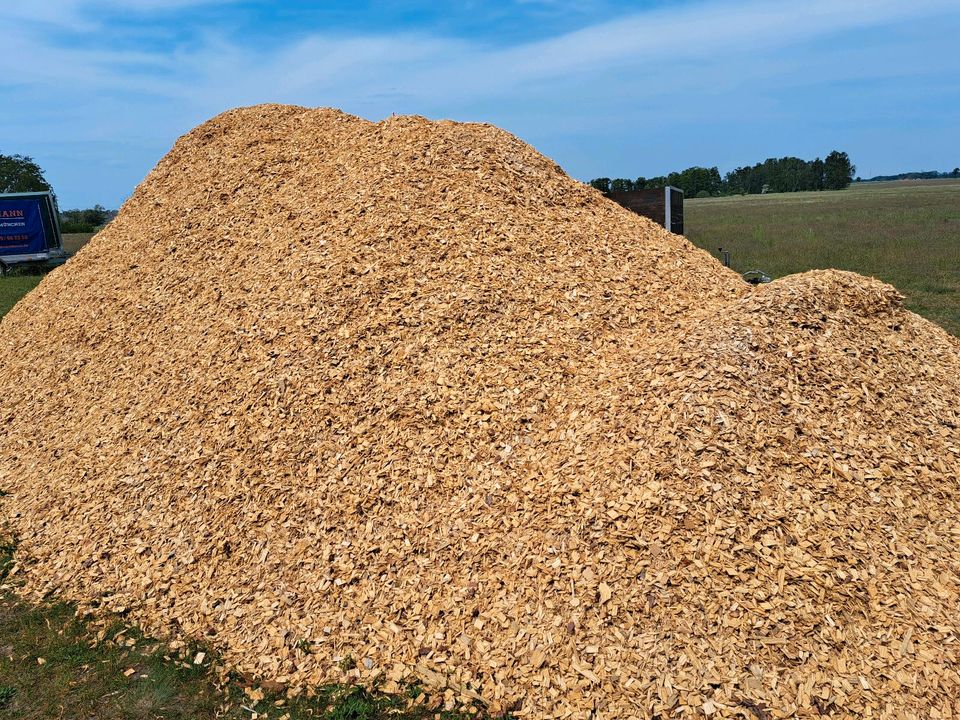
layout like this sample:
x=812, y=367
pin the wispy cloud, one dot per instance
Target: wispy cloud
x=87, y=15
x=634, y=69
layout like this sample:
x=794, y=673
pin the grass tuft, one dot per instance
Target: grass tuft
x=360, y=704
x=7, y=548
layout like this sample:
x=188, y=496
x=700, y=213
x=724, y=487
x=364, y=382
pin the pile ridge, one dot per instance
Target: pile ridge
x=405, y=393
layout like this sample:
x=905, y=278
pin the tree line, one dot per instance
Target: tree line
x=20, y=173
x=87, y=220
x=923, y=175
x=786, y=174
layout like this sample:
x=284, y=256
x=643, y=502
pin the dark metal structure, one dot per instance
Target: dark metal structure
x=662, y=205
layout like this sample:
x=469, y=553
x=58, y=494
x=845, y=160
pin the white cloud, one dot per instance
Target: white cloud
x=429, y=67
x=655, y=63
x=671, y=35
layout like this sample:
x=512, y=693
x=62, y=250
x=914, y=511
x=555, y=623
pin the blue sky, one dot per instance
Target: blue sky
x=98, y=90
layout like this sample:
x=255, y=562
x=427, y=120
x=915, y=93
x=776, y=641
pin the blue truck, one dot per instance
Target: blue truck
x=29, y=230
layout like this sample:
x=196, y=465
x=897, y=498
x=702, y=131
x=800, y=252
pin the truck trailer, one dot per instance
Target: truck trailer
x=29, y=230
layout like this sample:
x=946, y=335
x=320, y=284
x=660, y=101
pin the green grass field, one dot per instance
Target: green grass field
x=906, y=233
x=74, y=241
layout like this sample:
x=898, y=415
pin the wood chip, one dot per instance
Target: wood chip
x=347, y=399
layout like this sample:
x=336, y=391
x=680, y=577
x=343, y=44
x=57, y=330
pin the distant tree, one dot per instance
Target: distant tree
x=817, y=175
x=621, y=185
x=601, y=184
x=734, y=182
x=695, y=180
x=838, y=170
x=956, y=172
x=96, y=216
x=716, y=182
x=924, y=175
x=745, y=180
x=84, y=221
x=793, y=175
x=19, y=173
x=786, y=174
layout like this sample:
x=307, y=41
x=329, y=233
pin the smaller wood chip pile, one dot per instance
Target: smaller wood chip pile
x=405, y=394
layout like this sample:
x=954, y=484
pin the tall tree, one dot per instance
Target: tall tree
x=19, y=173
x=96, y=216
x=838, y=171
x=817, y=179
x=696, y=181
x=601, y=184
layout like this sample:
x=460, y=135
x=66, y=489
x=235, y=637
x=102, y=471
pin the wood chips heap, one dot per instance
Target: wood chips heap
x=402, y=402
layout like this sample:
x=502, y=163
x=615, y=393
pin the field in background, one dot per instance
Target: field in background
x=74, y=241
x=906, y=233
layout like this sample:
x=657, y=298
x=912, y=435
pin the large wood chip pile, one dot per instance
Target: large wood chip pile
x=403, y=401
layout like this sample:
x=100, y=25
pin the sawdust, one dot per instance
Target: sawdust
x=405, y=393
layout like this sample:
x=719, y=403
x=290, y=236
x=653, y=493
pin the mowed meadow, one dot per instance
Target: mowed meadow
x=906, y=233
